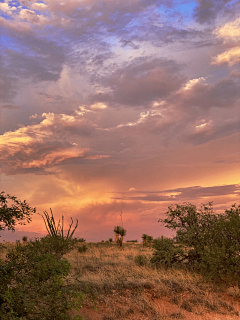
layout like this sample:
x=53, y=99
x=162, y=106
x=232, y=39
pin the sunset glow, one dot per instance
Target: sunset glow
x=110, y=106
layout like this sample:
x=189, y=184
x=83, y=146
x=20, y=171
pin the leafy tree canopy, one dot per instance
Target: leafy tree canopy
x=13, y=211
x=211, y=241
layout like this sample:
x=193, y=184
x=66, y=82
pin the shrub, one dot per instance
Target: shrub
x=56, y=242
x=211, y=241
x=166, y=253
x=141, y=260
x=32, y=284
x=149, y=241
x=34, y=277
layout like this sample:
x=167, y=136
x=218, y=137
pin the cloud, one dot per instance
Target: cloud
x=5, y=8
x=41, y=68
x=98, y=106
x=7, y=85
x=125, y=43
x=182, y=194
x=193, y=82
x=26, y=2
x=43, y=145
x=142, y=82
x=32, y=17
x=39, y=6
x=27, y=54
x=229, y=57
x=9, y=106
x=221, y=94
x=198, y=112
x=208, y=10
x=229, y=31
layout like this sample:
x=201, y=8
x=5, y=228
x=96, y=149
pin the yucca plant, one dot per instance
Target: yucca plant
x=117, y=232
x=122, y=234
x=144, y=238
x=24, y=239
x=59, y=243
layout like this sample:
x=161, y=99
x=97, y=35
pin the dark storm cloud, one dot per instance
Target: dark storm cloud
x=143, y=81
x=34, y=57
x=7, y=85
x=219, y=131
x=181, y=194
x=222, y=94
x=126, y=43
x=198, y=111
x=162, y=35
x=133, y=22
x=208, y=10
x=30, y=56
x=38, y=68
x=42, y=56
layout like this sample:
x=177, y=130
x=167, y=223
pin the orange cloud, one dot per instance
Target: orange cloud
x=43, y=145
x=230, y=31
x=230, y=57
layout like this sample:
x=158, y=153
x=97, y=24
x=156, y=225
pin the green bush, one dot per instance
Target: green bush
x=166, y=253
x=149, y=241
x=34, y=278
x=33, y=284
x=211, y=241
x=58, y=245
x=141, y=260
x=56, y=241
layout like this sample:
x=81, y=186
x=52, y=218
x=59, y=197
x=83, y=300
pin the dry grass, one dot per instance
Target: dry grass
x=123, y=290
x=117, y=288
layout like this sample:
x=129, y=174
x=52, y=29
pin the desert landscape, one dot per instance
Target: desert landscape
x=116, y=287
x=119, y=159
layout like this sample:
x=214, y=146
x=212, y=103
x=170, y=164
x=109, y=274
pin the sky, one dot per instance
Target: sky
x=111, y=106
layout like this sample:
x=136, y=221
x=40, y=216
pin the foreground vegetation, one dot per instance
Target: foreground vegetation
x=116, y=284
x=58, y=277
